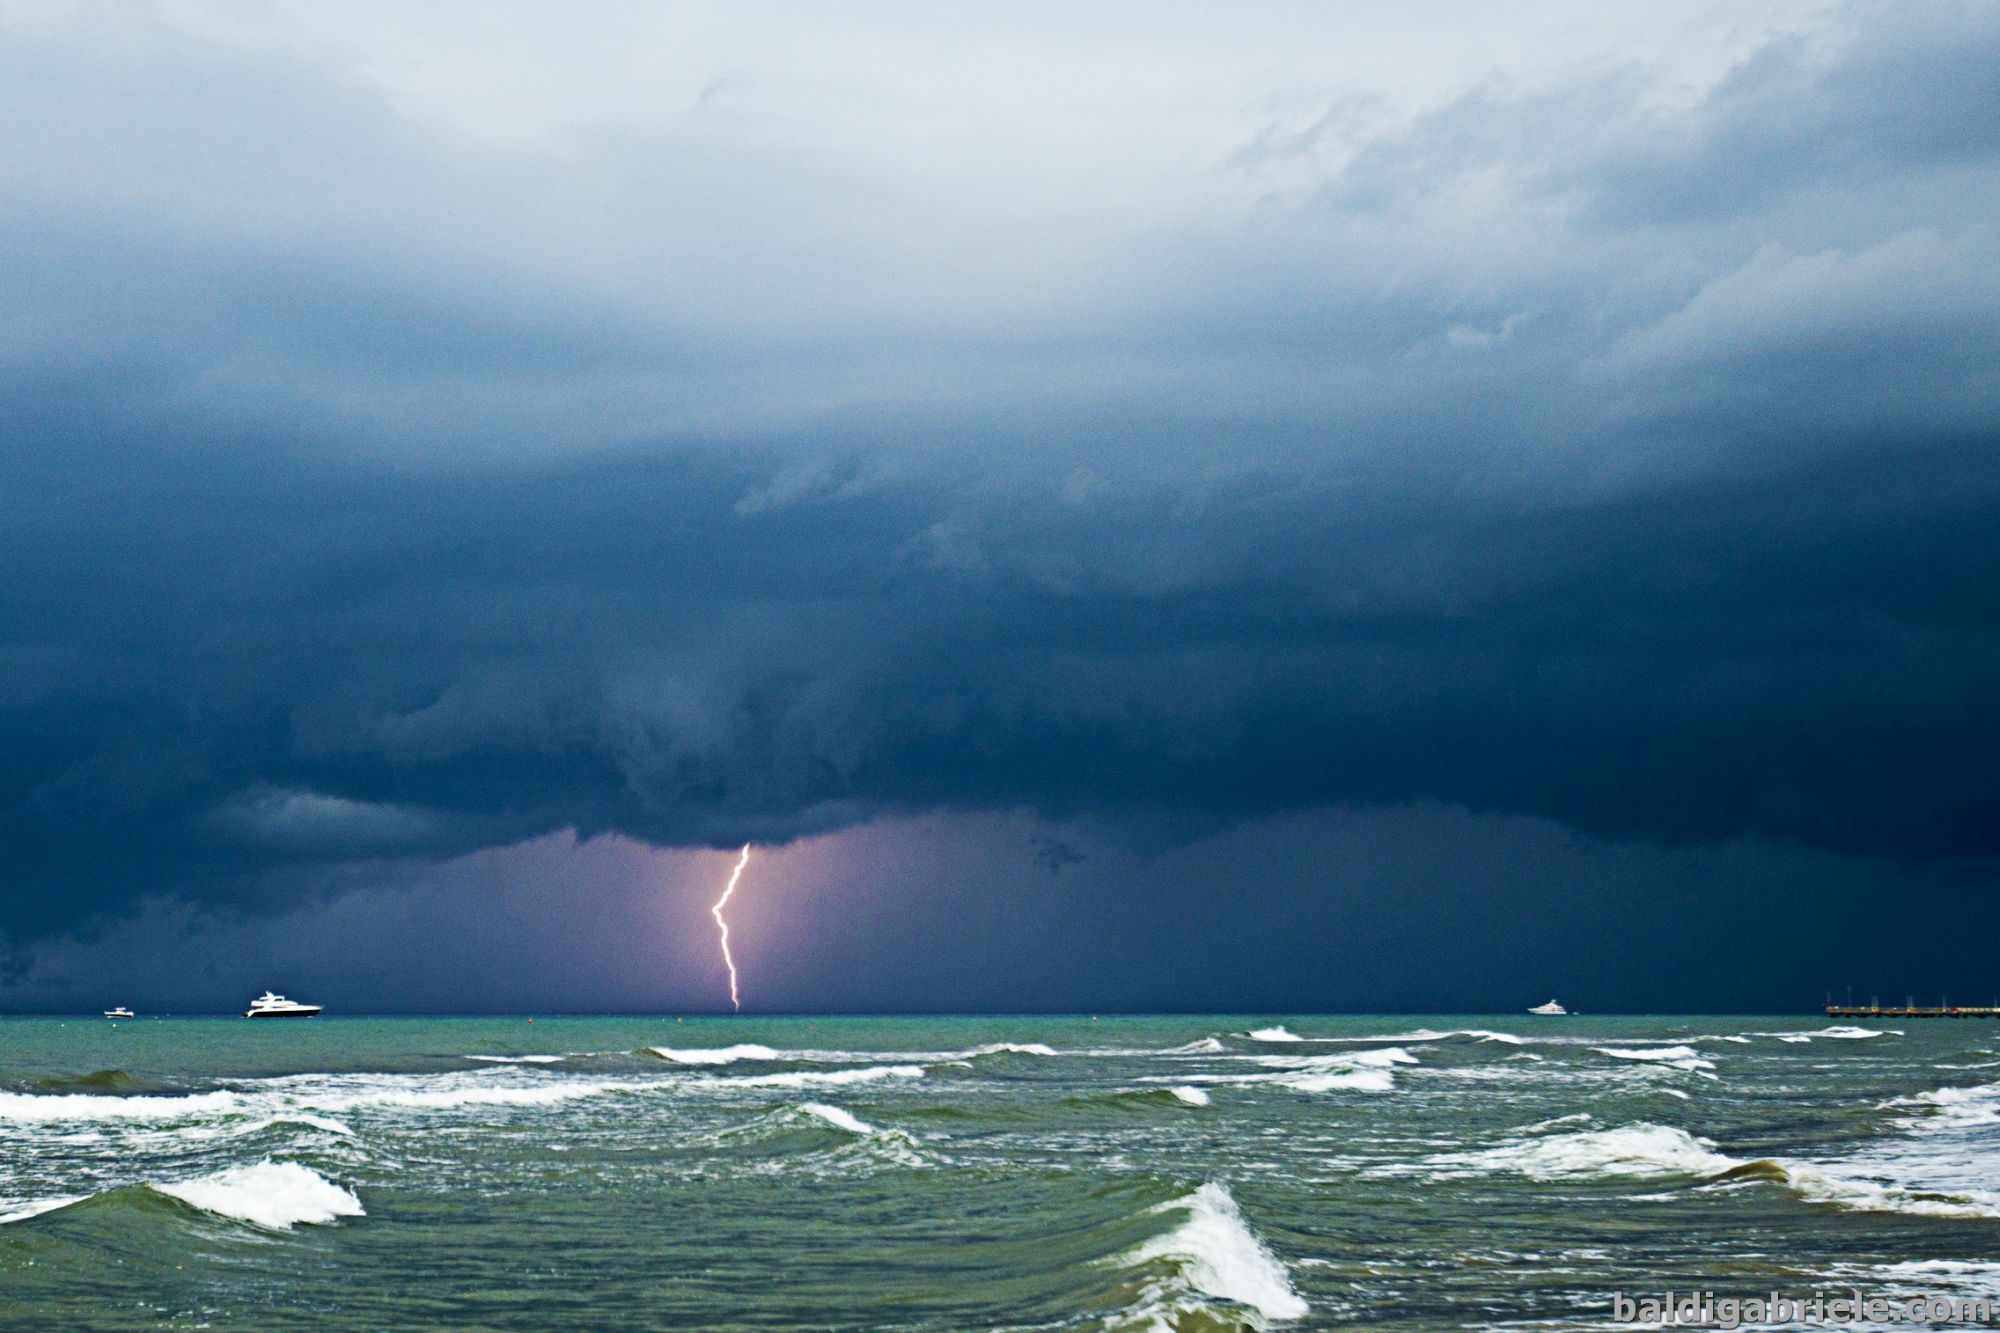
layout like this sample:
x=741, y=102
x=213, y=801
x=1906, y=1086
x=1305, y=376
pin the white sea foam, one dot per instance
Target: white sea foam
x=1952, y=1108
x=1203, y=1046
x=519, y=1059
x=296, y=1118
x=1359, y=1080
x=1893, y=1179
x=1218, y=1255
x=1673, y=1057
x=1574, y=1118
x=1192, y=1096
x=1972, y=1277
x=1384, y=1058
x=1007, y=1048
x=36, y=1207
x=1856, y=1034
x=1863, y=1194
x=1661, y=1053
x=406, y=1097
x=1639, y=1149
x=1274, y=1034
x=1795, y=1038
x=37, y=1107
x=1345, y=1071
x=278, y=1195
x=717, y=1055
x=836, y=1117
x=832, y=1078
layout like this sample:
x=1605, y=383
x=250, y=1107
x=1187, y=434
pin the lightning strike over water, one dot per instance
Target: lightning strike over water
x=729, y=962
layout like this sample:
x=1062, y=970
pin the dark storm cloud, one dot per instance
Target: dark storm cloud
x=1572, y=454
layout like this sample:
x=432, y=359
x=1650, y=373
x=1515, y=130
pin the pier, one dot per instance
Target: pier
x=1911, y=1011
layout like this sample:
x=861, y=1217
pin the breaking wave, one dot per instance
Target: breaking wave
x=838, y=1118
x=1189, y=1096
x=278, y=1195
x=1685, y=1058
x=1643, y=1150
x=719, y=1055
x=1216, y=1254
x=1640, y=1150
x=43, y=1107
x=832, y=1078
x=1201, y=1046
x=1007, y=1048
x=1348, y=1071
x=1274, y=1034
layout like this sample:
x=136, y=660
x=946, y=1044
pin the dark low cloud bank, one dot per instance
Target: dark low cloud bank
x=1654, y=515
x=213, y=677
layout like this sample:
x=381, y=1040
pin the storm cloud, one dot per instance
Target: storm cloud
x=704, y=426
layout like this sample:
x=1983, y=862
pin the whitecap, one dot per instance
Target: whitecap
x=1856, y=1034
x=36, y=1207
x=1638, y=1150
x=1274, y=1034
x=278, y=1195
x=1204, y=1046
x=36, y=1107
x=716, y=1055
x=1218, y=1255
x=1006, y=1048
x=296, y=1118
x=1661, y=1053
x=1675, y=1057
x=1574, y=1118
x=827, y=1079
x=1379, y=1059
x=836, y=1117
x=1191, y=1096
x=398, y=1097
x=1359, y=1080
x=1860, y=1194
x=519, y=1059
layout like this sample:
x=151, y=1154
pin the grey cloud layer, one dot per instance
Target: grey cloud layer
x=1597, y=451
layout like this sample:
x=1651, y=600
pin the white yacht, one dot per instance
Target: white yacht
x=1549, y=1010
x=273, y=1005
x=120, y=1012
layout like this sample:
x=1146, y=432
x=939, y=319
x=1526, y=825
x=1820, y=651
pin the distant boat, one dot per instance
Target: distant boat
x=273, y=1005
x=1549, y=1010
x=120, y=1012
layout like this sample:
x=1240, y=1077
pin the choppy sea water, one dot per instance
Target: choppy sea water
x=969, y=1173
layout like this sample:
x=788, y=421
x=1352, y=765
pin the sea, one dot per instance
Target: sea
x=1033, y=1172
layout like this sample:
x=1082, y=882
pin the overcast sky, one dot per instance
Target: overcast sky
x=1125, y=505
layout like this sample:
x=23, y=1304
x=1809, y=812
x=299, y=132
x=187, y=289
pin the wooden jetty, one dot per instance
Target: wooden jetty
x=1911, y=1011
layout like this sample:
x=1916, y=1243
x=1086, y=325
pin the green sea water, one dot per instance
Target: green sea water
x=975, y=1173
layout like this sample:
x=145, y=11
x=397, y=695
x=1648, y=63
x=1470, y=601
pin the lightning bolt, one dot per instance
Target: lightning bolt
x=716, y=911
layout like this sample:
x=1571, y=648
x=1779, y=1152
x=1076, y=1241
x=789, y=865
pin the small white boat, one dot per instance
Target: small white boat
x=1549, y=1010
x=272, y=1005
x=120, y=1012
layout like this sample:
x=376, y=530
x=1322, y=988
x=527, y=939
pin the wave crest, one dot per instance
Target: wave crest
x=277, y=1195
x=714, y=1055
x=1218, y=1255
